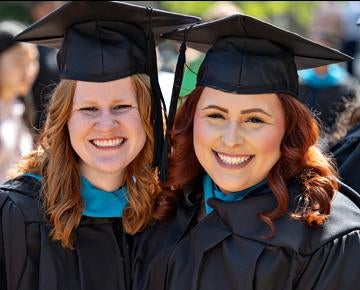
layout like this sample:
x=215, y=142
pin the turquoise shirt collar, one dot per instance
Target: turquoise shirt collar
x=212, y=191
x=97, y=202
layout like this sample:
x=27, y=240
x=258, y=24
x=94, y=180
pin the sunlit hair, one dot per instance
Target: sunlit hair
x=300, y=158
x=57, y=163
x=345, y=120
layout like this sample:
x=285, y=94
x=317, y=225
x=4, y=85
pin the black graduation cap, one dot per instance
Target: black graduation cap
x=248, y=56
x=102, y=41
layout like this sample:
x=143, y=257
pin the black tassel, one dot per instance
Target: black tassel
x=156, y=103
x=179, y=73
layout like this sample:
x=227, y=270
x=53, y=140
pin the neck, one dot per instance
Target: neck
x=104, y=181
x=211, y=191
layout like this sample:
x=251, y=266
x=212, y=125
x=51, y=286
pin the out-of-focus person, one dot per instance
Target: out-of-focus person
x=219, y=9
x=18, y=69
x=327, y=89
x=346, y=151
x=350, y=45
x=48, y=76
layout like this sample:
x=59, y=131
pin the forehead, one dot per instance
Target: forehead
x=119, y=89
x=233, y=101
x=22, y=52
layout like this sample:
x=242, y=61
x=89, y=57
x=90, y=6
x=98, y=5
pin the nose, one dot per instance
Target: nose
x=233, y=136
x=106, y=122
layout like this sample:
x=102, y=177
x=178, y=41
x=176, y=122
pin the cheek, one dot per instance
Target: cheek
x=12, y=76
x=199, y=134
x=72, y=128
x=30, y=74
x=271, y=141
x=76, y=125
x=203, y=138
x=135, y=126
x=34, y=70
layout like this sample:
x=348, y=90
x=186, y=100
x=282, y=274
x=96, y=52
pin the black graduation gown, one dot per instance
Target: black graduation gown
x=225, y=250
x=347, y=155
x=30, y=260
x=328, y=102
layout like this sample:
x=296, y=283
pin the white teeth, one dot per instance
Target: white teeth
x=108, y=143
x=232, y=160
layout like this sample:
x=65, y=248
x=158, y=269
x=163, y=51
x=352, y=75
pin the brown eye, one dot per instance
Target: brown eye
x=254, y=120
x=216, y=116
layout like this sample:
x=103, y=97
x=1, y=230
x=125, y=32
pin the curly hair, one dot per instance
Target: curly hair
x=300, y=158
x=57, y=163
x=345, y=120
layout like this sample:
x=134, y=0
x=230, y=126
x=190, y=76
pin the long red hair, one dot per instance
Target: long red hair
x=57, y=162
x=300, y=157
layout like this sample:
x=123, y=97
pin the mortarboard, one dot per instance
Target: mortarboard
x=245, y=55
x=102, y=41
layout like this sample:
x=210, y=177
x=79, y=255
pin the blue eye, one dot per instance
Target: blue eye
x=89, y=109
x=121, y=107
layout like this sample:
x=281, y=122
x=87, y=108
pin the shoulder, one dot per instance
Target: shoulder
x=21, y=195
x=344, y=216
x=162, y=234
x=350, y=141
x=293, y=235
x=343, y=222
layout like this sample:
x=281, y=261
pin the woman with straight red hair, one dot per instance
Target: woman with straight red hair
x=250, y=201
x=72, y=204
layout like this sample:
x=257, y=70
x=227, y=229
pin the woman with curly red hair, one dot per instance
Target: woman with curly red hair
x=250, y=201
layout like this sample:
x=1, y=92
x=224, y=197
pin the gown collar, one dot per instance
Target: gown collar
x=100, y=203
x=97, y=202
x=211, y=190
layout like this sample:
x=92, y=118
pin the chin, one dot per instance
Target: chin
x=232, y=189
x=229, y=185
x=109, y=169
x=112, y=170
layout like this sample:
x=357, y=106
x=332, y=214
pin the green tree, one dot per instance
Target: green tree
x=296, y=16
x=14, y=10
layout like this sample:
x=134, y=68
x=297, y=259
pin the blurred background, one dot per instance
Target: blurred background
x=295, y=16
x=28, y=73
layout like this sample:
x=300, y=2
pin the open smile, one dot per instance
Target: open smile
x=108, y=143
x=233, y=160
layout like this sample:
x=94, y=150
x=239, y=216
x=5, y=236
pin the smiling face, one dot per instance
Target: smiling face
x=105, y=128
x=237, y=138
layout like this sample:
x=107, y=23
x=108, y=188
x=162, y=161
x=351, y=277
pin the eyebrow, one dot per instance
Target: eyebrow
x=216, y=107
x=254, y=110
x=82, y=99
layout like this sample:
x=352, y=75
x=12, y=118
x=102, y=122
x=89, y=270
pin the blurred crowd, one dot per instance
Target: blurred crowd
x=29, y=73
